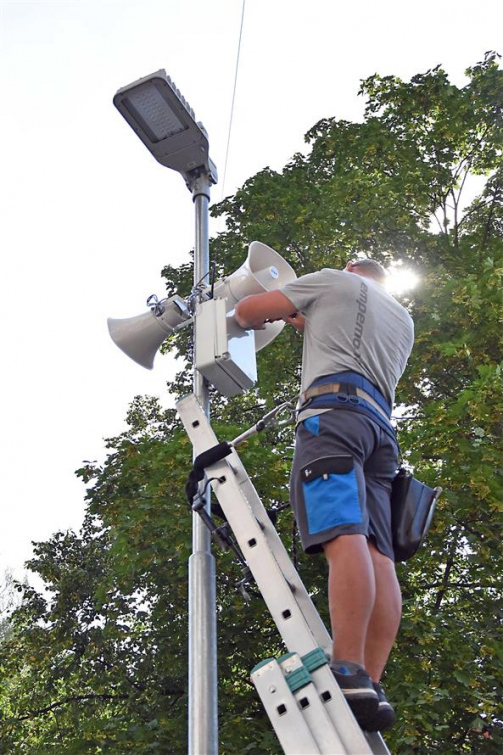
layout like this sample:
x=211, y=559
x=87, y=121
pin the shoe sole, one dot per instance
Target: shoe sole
x=363, y=706
x=383, y=719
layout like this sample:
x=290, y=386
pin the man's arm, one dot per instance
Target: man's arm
x=253, y=311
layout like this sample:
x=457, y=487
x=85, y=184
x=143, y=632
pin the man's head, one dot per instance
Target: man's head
x=368, y=269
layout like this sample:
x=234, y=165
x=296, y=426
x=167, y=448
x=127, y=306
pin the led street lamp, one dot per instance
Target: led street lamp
x=162, y=118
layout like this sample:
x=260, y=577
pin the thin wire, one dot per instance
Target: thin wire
x=233, y=99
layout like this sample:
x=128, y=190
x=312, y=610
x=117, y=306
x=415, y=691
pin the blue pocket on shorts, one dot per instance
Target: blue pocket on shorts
x=330, y=492
x=312, y=424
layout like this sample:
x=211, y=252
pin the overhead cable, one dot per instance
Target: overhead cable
x=233, y=99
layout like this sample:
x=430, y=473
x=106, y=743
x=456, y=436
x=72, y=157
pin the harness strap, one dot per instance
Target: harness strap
x=326, y=388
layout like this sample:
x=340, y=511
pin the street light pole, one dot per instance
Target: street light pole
x=165, y=123
x=203, y=683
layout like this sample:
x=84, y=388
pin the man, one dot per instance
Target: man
x=357, y=339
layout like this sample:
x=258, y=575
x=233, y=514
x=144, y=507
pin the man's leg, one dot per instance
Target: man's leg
x=351, y=593
x=351, y=589
x=385, y=618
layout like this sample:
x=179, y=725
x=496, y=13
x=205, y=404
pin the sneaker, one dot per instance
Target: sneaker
x=359, y=692
x=385, y=716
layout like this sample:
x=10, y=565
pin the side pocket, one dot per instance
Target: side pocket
x=330, y=489
x=312, y=424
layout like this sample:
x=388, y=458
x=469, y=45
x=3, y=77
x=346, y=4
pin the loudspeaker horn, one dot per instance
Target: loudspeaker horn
x=263, y=270
x=140, y=337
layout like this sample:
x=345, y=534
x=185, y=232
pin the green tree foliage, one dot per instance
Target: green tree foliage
x=8, y=602
x=97, y=662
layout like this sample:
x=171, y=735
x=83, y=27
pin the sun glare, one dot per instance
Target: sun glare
x=401, y=280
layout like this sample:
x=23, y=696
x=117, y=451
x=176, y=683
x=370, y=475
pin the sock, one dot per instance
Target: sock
x=345, y=667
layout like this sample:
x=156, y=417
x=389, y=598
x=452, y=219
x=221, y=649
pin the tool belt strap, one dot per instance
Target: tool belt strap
x=321, y=390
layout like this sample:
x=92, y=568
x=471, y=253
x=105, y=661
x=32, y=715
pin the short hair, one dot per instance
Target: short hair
x=372, y=268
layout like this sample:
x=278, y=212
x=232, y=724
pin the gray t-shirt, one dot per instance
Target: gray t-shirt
x=352, y=323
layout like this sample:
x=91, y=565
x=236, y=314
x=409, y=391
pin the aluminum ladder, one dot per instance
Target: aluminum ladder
x=300, y=695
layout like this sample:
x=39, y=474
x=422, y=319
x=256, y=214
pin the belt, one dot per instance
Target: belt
x=321, y=390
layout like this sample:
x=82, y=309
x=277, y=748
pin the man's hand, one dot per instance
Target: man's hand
x=297, y=320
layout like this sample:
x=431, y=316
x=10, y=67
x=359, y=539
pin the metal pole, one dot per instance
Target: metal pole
x=203, y=689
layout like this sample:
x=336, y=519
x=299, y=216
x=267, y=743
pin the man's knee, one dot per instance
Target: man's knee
x=345, y=543
x=380, y=559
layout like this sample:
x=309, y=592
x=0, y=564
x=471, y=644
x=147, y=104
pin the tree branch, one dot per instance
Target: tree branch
x=445, y=579
x=464, y=585
x=481, y=204
x=66, y=700
x=487, y=226
x=457, y=200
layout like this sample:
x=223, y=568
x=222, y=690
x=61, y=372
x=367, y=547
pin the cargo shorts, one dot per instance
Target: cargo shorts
x=343, y=467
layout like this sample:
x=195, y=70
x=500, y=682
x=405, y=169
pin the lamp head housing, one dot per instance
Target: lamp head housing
x=163, y=119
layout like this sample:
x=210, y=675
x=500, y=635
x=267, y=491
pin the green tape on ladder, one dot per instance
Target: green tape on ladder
x=298, y=678
x=311, y=660
x=282, y=658
x=261, y=663
x=315, y=659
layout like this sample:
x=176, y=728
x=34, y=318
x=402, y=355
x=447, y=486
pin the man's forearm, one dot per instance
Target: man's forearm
x=247, y=323
x=255, y=324
x=255, y=310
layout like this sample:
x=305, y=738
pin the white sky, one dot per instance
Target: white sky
x=88, y=218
